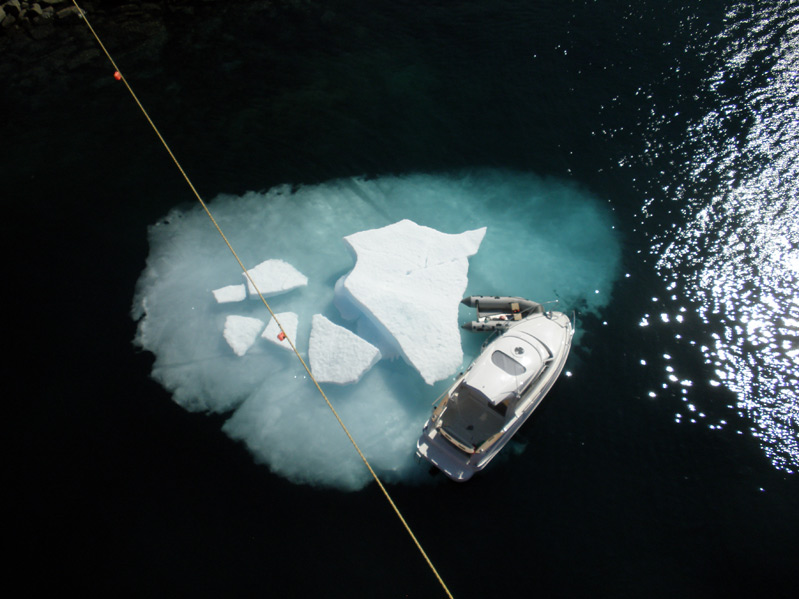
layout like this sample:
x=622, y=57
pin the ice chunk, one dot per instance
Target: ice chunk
x=231, y=293
x=338, y=355
x=408, y=281
x=273, y=277
x=241, y=332
x=289, y=321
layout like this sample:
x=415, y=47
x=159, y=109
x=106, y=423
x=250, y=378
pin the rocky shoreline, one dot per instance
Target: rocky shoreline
x=44, y=39
x=35, y=18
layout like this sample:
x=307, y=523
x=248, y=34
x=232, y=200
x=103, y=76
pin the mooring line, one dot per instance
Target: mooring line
x=120, y=77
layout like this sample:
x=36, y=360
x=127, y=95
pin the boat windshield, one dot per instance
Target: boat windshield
x=470, y=418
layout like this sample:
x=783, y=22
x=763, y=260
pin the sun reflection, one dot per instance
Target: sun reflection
x=735, y=258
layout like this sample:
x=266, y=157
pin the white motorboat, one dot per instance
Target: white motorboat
x=488, y=403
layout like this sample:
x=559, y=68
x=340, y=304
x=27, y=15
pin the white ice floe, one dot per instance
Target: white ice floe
x=273, y=277
x=230, y=293
x=338, y=355
x=408, y=281
x=289, y=321
x=241, y=332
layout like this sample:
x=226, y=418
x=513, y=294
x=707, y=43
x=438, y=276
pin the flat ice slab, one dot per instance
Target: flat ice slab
x=230, y=293
x=273, y=277
x=338, y=355
x=241, y=332
x=271, y=333
x=408, y=280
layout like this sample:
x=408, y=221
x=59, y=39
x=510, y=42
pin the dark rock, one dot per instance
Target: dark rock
x=12, y=8
x=151, y=7
x=82, y=58
x=41, y=30
x=135, y=10
x=69, y=12
x=50, y=36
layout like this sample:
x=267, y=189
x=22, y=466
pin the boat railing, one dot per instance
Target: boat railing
x=486, y=445
x=440, y=403
x=439, y=406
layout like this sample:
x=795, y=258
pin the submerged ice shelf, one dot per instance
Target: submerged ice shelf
x=548, y=236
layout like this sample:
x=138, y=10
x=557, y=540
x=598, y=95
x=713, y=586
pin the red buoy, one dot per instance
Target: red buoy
x=117, y=75
x=281, y=335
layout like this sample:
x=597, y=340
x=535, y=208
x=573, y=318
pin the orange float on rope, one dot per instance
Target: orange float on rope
x=117, y=75
x=281, y=335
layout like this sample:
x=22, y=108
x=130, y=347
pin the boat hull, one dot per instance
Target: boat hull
x=460, y=459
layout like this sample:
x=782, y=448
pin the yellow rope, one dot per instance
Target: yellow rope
x=124, y=80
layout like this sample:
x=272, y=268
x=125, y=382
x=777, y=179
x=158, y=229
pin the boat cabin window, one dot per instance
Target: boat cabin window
x=506, y=363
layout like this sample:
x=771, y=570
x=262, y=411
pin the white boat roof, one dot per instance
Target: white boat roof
x=508, y=364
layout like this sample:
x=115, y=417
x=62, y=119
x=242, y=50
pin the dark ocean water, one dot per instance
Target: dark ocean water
x=665, y=467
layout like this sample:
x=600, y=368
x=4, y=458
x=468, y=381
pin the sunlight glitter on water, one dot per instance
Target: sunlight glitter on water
x=735, y=257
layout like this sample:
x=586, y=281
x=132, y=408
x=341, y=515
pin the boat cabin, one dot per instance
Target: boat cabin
x=491, y=391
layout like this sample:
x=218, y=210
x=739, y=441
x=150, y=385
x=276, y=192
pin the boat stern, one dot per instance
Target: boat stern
x=453, y=462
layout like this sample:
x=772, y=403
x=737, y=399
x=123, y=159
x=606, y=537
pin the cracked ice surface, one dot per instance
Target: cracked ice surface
x=408, y=281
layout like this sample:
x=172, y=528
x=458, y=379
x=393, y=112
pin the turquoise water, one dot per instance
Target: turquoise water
x=650, y=152
x=546, y=239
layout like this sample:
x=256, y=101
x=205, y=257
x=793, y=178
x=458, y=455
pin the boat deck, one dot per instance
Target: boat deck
x=470, y=419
